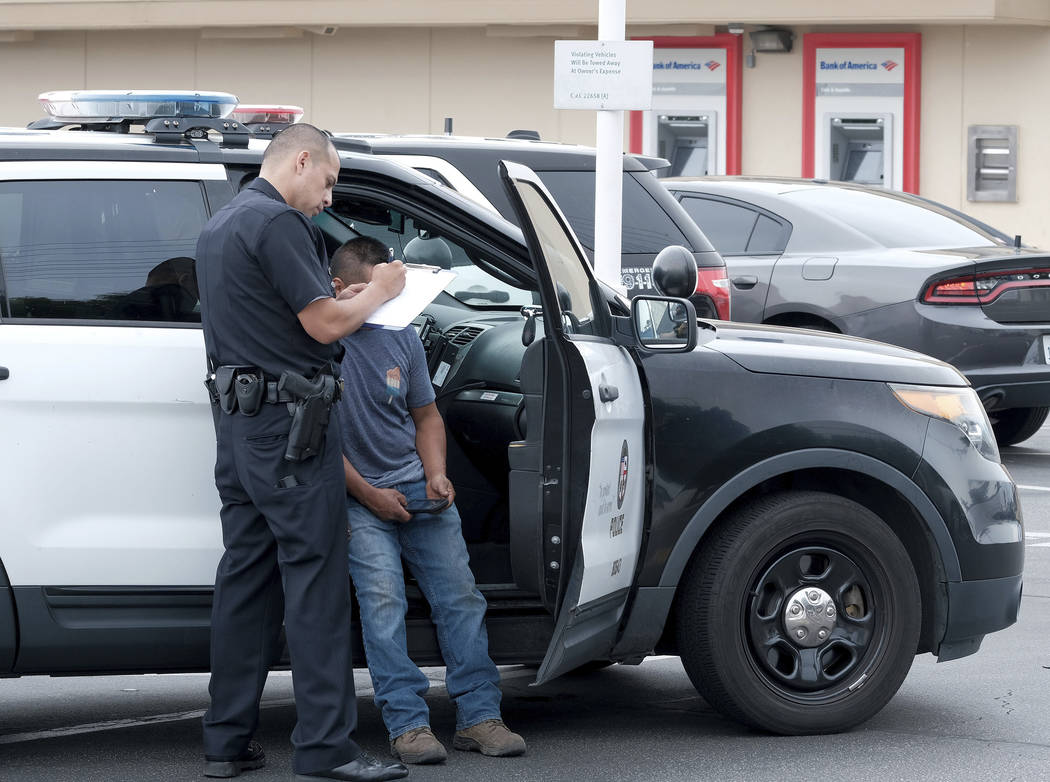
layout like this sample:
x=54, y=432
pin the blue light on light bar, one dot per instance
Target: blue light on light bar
x=110, y=105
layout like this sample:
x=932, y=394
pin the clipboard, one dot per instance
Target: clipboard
x=422, y=284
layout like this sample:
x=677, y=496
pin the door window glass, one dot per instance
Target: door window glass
x=563, y=262
x=768, y=237
x=647, y=228
x=101, y=250
x=415, y=241
x=727, y=226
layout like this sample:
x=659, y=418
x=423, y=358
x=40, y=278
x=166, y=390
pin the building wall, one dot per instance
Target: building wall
x=401, y=80
x=1004, y=82
x=106, y=14
x=495, y=79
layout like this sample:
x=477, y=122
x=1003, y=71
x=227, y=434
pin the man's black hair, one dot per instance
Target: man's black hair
x=350, y=260
x=296, y=138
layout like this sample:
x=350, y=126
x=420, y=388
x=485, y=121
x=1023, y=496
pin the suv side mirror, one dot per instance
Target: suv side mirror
x=674, y=272
x=664, y=324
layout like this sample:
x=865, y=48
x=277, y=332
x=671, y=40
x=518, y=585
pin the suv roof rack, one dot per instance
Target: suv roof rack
x=351, y=144
x=165, y=130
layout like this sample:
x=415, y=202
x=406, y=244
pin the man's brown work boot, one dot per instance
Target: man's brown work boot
x=490, y=737
x=418, y=746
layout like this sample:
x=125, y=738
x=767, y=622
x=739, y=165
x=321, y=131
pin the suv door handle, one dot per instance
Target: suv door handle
x=5, y=373
x=608, y=393
x=745, y=282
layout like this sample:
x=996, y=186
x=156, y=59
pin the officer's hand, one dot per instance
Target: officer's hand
x=351, y=290
x=389, y=278
x=387, y=505
x=439, y=487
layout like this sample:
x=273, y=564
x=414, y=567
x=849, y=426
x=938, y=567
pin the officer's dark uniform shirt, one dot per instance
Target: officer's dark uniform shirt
x=259, y=263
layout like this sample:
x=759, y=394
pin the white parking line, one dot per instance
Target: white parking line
x=1032, y=488
x=1028, y=536
x=156, y=719
x=95, y=727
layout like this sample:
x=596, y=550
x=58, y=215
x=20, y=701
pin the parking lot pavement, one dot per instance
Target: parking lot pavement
x=1029, y=465
x=979, y=718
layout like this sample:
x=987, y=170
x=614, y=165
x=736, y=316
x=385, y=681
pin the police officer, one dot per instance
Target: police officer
x=268, y=309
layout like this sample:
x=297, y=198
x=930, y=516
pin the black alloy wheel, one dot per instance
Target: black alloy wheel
x=800, y=614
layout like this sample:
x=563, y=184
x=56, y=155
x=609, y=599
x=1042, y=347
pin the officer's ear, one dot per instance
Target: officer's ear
x=301, y=160
x=338, y=285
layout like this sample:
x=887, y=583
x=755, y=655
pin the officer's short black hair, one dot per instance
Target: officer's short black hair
x=353, y=258
x=296, y=138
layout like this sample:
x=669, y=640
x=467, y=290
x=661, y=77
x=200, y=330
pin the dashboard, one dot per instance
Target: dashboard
x=474, y=359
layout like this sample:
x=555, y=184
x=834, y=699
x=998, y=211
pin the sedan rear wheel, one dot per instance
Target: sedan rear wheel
x=800, y=615
x=1017, y=424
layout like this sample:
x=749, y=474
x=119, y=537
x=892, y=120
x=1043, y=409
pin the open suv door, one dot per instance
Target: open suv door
x=591, y=480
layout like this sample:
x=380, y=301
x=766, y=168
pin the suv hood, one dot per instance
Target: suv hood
x=790, y=351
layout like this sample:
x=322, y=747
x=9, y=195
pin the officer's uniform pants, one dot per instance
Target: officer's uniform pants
x=273, y=536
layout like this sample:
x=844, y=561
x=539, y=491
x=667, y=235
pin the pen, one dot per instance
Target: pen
x=423, y=267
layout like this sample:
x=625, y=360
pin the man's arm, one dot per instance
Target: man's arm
x=430, y=445
x=385, y=504
x=328, y=320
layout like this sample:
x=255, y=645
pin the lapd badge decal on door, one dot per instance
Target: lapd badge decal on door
x=621, y=488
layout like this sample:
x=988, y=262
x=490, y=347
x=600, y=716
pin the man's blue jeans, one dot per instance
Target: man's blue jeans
x=433, y=547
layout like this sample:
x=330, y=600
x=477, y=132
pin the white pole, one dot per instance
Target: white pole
x=608, y=178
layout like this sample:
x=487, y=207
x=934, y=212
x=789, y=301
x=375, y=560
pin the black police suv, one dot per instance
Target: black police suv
x=651, y=219
x=795, y=514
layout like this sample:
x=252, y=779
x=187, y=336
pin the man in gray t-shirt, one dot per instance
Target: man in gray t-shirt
x=394, y=454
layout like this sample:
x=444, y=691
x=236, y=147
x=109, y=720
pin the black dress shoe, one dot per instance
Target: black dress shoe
x=363, y=768
x=249, y=760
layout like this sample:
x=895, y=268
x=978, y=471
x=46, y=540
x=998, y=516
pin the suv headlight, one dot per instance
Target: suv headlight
x=959, y=406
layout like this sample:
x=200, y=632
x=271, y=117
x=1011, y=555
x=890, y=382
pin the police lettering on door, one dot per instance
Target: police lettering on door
x=605, y=495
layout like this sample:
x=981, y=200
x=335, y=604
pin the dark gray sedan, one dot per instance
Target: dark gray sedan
x=890, y=267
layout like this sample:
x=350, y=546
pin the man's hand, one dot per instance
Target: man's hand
x=387, y=505
x=389, y=278
x=352, y=290
x=439, y=487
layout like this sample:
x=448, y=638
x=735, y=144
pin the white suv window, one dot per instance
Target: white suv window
x=101, y=250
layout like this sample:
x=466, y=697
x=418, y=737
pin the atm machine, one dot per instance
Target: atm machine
x=689, y=141
x=859, y=148
x=687, y=122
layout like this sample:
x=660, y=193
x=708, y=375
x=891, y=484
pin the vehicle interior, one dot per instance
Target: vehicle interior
x=483, y=338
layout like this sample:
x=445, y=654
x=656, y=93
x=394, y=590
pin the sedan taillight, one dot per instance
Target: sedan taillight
x=983, y=288
x=713, y=282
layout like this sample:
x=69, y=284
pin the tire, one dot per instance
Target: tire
x=733, y=606
x=1017, y=424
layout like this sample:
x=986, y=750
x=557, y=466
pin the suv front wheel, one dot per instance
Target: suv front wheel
x=800, y=614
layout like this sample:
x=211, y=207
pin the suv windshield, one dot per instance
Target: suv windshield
x=893, y=220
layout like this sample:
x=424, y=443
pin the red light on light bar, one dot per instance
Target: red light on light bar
x=267, y=113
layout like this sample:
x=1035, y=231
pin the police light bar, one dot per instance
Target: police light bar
x=267, y=113
x=109, y=105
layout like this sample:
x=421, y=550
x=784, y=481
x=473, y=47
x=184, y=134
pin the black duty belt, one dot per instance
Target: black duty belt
x=246, y=389
x=275, y=395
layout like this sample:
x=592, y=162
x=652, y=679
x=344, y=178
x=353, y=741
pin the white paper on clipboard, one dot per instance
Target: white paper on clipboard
x=422, y=284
